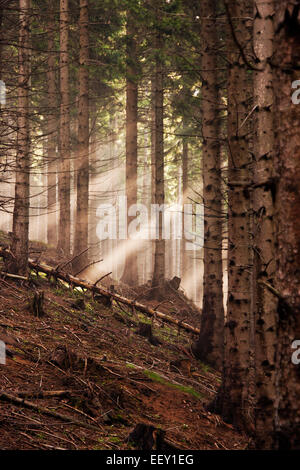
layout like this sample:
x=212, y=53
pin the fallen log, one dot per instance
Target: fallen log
x=69, y=279
x=72, y=280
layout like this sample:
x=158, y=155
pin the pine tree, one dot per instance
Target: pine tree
x=82, y=164
x=64, y=228
x=209, y=346
x=159, y=191
x=21, y=204
x=233, y=400
x=265, y=303
x=130, y=275
x=52, y=128
x=286, y=63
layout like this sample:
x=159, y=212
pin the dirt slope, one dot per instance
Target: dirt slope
x=86, y=362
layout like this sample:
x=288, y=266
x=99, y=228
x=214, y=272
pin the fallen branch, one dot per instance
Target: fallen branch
x=28, y=404
x=106, y=293
x=14, y=276
x=69, y=279
x=63, y=264
x=88, y=266
x=44, y=394
x=272, y=290
x=102, y=277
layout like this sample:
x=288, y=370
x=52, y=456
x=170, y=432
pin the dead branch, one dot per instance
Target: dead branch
x=14, y=276
x=88, y=266
x=63, y=265
x=102, y=277
x=44, y=394
x=272, y=289
x=28, y=404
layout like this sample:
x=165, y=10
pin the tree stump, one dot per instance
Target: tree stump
x=145, y=329
x=147, y=437
x=175, y=282
x=36, y=304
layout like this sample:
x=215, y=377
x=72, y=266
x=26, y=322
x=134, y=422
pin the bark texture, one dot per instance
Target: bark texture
x=210, y=344
x=159, y=253
x=82, y=206
x=130, y=275
x=235, y=404
x=286, y=61
x=51, y=129
x=265, y=305
x=64, y=135
x=185, y=165
x=21, y=206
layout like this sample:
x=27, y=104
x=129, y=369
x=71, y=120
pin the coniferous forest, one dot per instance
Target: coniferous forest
x=149, y=225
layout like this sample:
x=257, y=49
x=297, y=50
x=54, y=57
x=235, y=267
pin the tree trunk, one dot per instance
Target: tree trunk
x=209, y=346
x=235, y=404
x=82, y=207
x=21, y=206
x=265, y=304
x=185, y=162
x=130, y=275
x=64, y=144
x=52, y=130
x=94, y=242
x=159, y=254
x=152, y=143
x=286, y=60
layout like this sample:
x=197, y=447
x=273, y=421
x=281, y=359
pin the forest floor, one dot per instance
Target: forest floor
x=81, y=377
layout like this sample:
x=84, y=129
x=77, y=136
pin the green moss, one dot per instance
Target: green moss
x=115, y=439
x=143, y=318
x=157, y=378
x=89, y=308
x=131, y=366
x=205, y=367
x=61, y=291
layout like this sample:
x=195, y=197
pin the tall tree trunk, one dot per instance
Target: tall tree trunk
x=152, y=144
x=185, y=162
x=82, y=207
x=130, y=275
x=209, y=346
x=286, y=60
x=159, y=254
x=94, y=243
x=265, y=305
x=2, y=128
x=64, y=144
x=21, y=206
x=52, y=129
x=234, y=392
